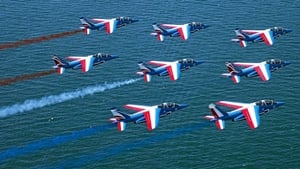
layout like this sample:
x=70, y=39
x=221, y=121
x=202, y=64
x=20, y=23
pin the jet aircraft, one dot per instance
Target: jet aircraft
x=267, y=35
x=148, y=114
x=162, y=30
x=262, y=69
x=85, y=63
x=172, y=69
x=108, y=24
x=250, y=112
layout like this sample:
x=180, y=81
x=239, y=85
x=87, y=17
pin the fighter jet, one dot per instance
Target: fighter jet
x=250, y=112
x=85, y=63
x=172, y=30
x=261, y=69
x=148, y=114
x=108, y=24
x=267, y=35
x=172, y=69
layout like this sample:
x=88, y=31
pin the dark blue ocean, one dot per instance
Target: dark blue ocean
x=61, y=121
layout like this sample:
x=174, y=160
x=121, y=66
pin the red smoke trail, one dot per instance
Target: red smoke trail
x=8, y=81
x=38, y=39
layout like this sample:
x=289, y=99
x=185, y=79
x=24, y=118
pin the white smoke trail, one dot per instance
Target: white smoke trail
x=28, y=105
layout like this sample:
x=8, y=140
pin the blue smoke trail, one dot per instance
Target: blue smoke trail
x=51, y=142
x=117, y=149
x=28, y=105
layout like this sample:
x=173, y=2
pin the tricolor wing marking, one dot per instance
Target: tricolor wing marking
x=110, y=25
x=267, y=37
x=234, y=105
x=263, y=70
x=251, y=31
x=184, y=31
x=220, y=124
x=121, y=125
x=244, y=64
x=76, y=57
x=159, y=63
x=170, y=25
x=174, y=70
x=136, y=107
x=99, y=20
x=243, y=43
x=252, y=116
x=87, y=63
x=152, y=118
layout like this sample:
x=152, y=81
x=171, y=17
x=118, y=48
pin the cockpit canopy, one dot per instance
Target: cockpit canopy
x=265, y=102
x=274, y=61
x=168, y=105
x=186, y=61
x=102, y=55
x=124, y=19
x=196, y=24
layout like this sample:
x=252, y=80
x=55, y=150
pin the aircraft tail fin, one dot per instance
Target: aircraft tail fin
x=145, y=71
x=119, y=118
x=159, y=31
x=86, y=25
x=217, y=116
x=59, y=64
x=234, y=72
x=241, y=37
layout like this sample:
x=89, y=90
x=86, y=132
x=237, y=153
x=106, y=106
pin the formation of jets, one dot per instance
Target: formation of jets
x=150, y=115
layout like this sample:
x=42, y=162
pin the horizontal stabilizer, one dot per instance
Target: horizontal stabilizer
x=60, y=70
x=160, y=37
x=121, y=125
x=220, y=124
x=147, y=77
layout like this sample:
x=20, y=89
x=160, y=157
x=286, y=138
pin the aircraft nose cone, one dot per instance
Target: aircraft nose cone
x=114, y=56
x=206, y=26
x=286, y=63
x=181, y=106
x=288, y=30
x=198, y=62
x=135, y=20
x=279, y=103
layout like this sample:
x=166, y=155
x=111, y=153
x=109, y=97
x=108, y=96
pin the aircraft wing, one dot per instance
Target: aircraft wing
x=233, y=105
x=173, y=68
x=110, y=24
x=152, y=117
x=252, y=117
x=85, y=61
x=136, y=107
x=267, y=37
x=244, y=64
x=263, y=70
x=151, y=114
x=184, y=31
